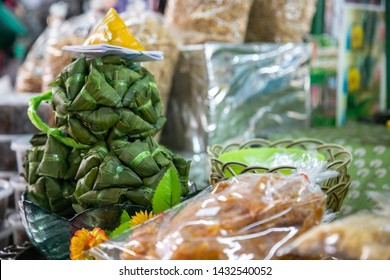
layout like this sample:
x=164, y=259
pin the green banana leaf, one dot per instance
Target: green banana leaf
x=83, y=186
x=54, y=162
x=74, y=160
x=33, y=158
x=79, y=132
x=112, y=173
x=93, y=158
x=137, y=156
x=74, y=76
x=96, y=91
x=96, y=198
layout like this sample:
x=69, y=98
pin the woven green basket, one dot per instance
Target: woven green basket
x=337, y=157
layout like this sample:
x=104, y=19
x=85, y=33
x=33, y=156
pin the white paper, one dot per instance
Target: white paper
x=100, y=50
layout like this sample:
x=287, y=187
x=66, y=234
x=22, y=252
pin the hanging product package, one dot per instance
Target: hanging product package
x=211, y=20
x=230, y=92
x=250, y=216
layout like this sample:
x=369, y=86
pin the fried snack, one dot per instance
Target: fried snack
x=358, y=237
x=248, y=217
x=201, y=21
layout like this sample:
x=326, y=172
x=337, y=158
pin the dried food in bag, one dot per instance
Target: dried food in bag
x=361, y=236
x=201, y=21
x=247, y=217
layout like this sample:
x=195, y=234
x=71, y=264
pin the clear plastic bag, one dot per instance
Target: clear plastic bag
x=200, y=21
x=29, y=77
x=71, y=32
x=280, y=20
x=250, y=216
x=361, y=236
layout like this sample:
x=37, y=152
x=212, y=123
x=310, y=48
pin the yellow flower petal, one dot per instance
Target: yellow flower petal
x=140, y=217
x=84, y=240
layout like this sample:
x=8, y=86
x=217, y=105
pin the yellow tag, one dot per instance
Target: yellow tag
x=113, y=31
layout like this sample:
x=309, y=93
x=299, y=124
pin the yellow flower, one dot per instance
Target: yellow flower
x=84, y=240
x=140, y=217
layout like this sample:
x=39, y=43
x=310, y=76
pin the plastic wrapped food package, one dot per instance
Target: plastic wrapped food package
x=280, y=20
x=150, y=29
x=72, y=32
x=201, y=21
x=29, y=77
x=229, y=92
x=346, y=238
x=250, y=216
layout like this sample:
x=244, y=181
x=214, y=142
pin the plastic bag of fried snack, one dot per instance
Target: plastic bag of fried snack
x=200, y=21
x=360, y=236
x=250, y=216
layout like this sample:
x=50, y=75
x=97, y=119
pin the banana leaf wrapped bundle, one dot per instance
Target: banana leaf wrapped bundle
x=102, y=150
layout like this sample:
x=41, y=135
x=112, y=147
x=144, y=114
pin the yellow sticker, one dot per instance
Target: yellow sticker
x=113, y=31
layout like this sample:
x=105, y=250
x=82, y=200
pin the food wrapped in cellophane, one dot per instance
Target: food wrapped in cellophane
x=361, y=236
x=250, y=216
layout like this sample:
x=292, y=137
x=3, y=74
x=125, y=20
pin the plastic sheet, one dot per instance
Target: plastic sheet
x=231, y=92
x=361, y=236
x=202, y=21
x=250, y=216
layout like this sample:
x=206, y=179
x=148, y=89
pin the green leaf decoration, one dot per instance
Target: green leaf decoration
x=124, y=225
x=168, y=191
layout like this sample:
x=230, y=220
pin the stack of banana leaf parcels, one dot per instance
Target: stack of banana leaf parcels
x=102, y=150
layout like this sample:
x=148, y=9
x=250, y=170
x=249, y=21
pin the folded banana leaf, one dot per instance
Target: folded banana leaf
x=137, y=156
x=54, y=162
x=60, y=104
x=103, y=117
x=112, y=173
x=93, y=158
x=33, y=158
x=96, y=91
x=74, y=160
x=141, y=196
x=74, y=76
x=103, y=197
x=132, y=125
x=53, y=195
x=84, y=185
x=80, y=132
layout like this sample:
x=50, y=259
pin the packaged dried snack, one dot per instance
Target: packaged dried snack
x=280, y=20
x=361, y=236
x=201, y=21
x=29, y=78
x=250, y=216
x=71, y=32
